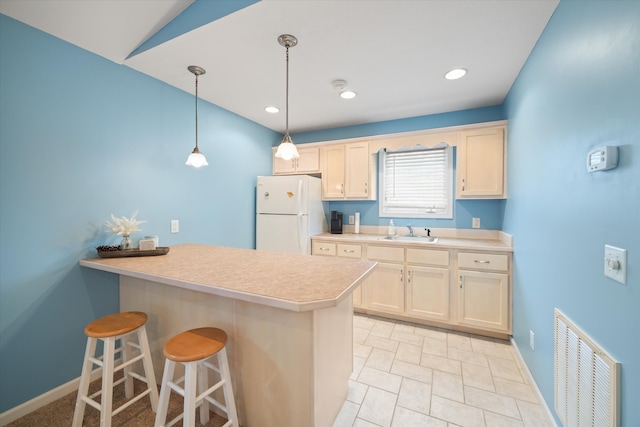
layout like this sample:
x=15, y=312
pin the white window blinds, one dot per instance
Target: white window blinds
x=416, y=183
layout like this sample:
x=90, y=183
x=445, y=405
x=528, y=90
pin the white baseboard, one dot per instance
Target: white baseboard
x=532, y=382
x=38, y=402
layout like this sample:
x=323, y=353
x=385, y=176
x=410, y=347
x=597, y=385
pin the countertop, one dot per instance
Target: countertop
x=496, y=245
x=286, y=281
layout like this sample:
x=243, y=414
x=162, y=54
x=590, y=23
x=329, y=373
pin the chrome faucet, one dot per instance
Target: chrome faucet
x=410, y=230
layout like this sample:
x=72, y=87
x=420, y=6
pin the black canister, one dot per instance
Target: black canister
x=336, y=222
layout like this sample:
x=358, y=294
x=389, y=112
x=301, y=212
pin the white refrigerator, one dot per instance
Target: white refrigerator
x=289, y=210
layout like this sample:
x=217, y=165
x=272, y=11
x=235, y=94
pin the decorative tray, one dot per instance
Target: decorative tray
x=162, y=250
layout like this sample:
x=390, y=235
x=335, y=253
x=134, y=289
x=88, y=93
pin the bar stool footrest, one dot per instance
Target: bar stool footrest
x=131, y=402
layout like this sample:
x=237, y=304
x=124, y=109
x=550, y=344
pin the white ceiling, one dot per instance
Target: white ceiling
x=393, y=53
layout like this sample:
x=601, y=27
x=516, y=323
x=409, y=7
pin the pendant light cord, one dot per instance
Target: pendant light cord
x=196, y=111
x=287, y=95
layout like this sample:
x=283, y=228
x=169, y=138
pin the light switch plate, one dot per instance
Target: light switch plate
x=615, y=263
x=175, y=226
x=475, y=223
x=532, y=340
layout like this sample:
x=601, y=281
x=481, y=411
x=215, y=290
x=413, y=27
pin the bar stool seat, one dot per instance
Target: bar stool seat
x=193, y=349
x=109, y=329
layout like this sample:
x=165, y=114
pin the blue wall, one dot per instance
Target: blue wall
x=81, y=138
x=490, y=212
x=579, y=89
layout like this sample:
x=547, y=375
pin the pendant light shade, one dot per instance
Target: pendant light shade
x=196, y=158
x=286, y=149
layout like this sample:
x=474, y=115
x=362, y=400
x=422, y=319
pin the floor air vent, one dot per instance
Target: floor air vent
x=586, y=379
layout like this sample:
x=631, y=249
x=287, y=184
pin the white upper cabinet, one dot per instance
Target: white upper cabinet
x=347, y=172
x=332, y=172
x=307, y=163
x=349, y=169
x=481, y=164
x=357, y=171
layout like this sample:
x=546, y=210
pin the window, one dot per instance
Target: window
x=416, y=183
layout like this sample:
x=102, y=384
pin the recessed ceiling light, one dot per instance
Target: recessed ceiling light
x=348, y=94
x=340, y=85
x=271, y=109
x=456, y=73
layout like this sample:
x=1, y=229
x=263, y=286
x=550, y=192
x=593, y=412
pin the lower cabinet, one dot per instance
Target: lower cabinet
x=384, y=290
x=428, y=284
x=428, y=292
x=450, y=287
x=483, y=300
x=483, y=291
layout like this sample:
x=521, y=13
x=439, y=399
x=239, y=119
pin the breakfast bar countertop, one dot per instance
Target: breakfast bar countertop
x=286, y=281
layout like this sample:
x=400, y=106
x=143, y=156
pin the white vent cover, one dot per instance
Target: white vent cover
x=587, y=379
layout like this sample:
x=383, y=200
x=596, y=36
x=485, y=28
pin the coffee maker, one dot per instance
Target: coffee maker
x=336, y=222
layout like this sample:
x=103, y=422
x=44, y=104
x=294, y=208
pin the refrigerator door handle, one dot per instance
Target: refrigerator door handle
x=300, y=233
x=300, y=197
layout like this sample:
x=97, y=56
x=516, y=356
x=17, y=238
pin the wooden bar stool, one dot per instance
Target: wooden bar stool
x=193, y=349
x=108, y=329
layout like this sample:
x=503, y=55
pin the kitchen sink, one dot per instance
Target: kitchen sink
x=416, y=239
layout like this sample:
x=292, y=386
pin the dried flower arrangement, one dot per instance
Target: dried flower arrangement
x=124, y=227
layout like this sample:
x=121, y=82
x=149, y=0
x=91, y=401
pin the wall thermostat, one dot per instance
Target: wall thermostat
x=602, y=158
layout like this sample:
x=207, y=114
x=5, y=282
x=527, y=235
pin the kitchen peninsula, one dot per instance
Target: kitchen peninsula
x=288, y=317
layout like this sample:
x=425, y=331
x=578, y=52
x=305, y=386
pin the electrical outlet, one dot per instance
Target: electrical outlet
x=475, y=223
x=531, y=340
x=175, y=226
x=352, y=219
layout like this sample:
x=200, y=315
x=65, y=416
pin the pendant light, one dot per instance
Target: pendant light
x=286, y=149
x=196, y=158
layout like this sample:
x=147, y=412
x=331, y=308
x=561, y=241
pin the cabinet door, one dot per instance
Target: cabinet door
x=483, y=300
x=357, y=171
x=428, y=292
x=481, y=164
x=283, y=167
x=385, y=288
x=333, y=172
x=309, y=160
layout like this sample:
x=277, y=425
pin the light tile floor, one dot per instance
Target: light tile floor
x=409, y=375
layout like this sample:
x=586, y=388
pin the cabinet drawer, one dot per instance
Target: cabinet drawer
x=480, y=261
x=385, y=253
x=323, y=248
x=350, y=251
x=427, y=256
